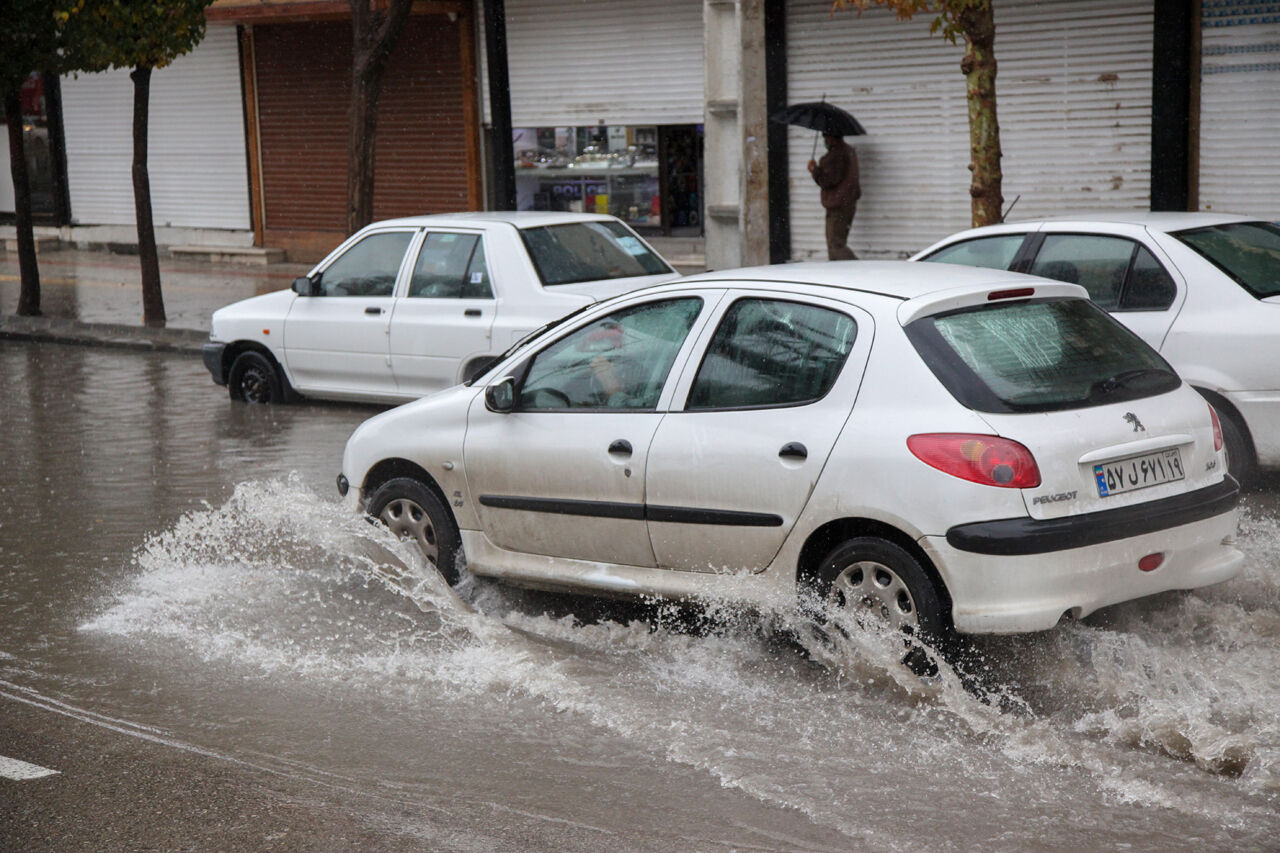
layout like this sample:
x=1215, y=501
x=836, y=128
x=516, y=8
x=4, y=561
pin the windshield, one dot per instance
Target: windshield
x=1039, y=356
x=589, y=251
x=1249, y=252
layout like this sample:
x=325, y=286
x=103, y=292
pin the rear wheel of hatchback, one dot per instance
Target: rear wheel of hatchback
x=871, y=578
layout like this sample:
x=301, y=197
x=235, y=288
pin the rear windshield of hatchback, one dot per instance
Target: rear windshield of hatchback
x=1039, y=356
x=1249, y=252
x=589, y=251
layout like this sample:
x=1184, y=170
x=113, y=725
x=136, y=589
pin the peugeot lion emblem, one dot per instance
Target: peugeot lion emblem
x=1131, y=418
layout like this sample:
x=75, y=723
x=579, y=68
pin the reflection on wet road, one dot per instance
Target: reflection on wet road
x=183, y=564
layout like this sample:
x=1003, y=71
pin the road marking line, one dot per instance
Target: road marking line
x=21, y=771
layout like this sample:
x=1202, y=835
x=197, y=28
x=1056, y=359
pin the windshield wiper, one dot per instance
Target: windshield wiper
x=1123, y=380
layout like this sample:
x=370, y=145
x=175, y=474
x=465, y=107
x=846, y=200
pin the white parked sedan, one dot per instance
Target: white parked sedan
x=409, y=306
x=962, y=449
x=1202, y=288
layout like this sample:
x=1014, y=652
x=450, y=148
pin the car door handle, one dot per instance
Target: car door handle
x=472, y=312
x=793, y=450
x=372, y=310
x=621, y=446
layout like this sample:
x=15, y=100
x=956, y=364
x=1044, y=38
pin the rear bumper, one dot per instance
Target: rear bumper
x=1024, y=536
x=1005, y=594
x=212, y=353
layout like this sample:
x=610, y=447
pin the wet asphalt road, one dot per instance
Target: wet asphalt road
x=205, y=671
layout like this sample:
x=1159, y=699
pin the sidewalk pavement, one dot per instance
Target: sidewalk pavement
x=96, y=297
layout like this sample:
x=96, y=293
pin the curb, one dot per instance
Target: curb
x=64, y=331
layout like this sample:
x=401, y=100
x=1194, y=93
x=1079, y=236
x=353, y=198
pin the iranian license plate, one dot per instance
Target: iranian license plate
x=1138, y=472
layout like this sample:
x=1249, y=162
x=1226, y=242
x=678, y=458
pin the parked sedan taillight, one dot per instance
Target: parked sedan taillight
x=1217, y=429
x=986, y=459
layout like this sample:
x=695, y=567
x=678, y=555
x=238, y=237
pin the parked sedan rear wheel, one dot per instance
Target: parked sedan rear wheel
x=414, y=512
x=872, y=577
x=1240, y=461
x=255, y=379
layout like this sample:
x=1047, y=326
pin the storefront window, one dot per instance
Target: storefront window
x=613, y=169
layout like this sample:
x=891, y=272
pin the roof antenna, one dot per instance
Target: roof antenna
x=1010, y=207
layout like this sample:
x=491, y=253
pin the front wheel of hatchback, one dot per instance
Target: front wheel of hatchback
x=871, y=577
x=412, y=511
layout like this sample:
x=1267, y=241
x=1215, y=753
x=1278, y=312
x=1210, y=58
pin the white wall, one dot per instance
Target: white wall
x=196, y=148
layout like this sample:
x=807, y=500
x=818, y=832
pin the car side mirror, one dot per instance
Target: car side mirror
x=306, y=286
x=501, y=397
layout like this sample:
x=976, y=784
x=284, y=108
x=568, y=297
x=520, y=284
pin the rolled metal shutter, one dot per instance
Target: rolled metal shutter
x=1239, y=108
x=622, y=62
x=303, y=83
x=1073, y=94
x=196, y=142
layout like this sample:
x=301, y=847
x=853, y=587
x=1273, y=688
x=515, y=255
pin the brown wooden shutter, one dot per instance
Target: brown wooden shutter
x=303, y=83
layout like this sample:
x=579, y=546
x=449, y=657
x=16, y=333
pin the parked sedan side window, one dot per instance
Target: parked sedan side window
x=620, y=361
x=1097, y=262
x=451, y=266
x=1149, y=287
x=991, y=252
x=369, y=268
x=772, y=353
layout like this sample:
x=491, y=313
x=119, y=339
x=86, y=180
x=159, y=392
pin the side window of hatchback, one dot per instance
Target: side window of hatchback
x=770, y=353
x=618, y=362
x=369, y=268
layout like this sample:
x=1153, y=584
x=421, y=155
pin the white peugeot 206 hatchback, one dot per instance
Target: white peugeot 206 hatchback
x=956, y=449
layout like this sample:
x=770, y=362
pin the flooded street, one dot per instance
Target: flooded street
x=179, y=569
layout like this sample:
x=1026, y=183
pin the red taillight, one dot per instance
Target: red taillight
x=1217, y=429
x=986, y=459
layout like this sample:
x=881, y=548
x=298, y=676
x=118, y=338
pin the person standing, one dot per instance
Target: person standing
x=837, y=175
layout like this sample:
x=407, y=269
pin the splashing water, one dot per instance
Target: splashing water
x=1169, y=703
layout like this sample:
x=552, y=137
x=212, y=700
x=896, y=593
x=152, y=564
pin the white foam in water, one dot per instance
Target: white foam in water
x=1171, y=703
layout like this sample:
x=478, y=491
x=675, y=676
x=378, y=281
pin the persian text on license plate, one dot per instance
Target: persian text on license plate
x=1138, y=472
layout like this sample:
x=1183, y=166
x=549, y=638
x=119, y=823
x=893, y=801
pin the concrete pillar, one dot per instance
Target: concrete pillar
x=735, y=153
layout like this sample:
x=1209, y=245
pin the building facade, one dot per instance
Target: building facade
x=657, y=112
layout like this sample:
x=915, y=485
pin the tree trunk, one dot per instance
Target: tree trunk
x=148, y=259
x=979, y=66
x=28, y=268
x=362, y=119
x=374, y=35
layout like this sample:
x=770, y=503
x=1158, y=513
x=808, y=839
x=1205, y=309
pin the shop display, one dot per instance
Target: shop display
x=610, y=170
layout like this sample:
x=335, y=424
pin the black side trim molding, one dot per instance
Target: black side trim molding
x=598, y=509
x=1013, y=537
x=731, y=517
x=637, y=512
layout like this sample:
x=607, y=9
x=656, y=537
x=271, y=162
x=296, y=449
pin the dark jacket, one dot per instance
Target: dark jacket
x=837, y=175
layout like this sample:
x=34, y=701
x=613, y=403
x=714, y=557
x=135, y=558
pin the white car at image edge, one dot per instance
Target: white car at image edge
x=1202, y=288
x=409, y=306
x=961, y=449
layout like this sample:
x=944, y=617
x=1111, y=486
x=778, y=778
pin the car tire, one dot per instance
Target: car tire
x=411, y=510
x=874, y=573
x=1240, y=461
x=254, y=378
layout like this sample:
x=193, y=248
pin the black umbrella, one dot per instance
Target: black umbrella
x=820, y=116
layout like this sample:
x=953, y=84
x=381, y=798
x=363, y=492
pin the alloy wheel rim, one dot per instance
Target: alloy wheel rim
x=407, y=520
x=870, y=587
